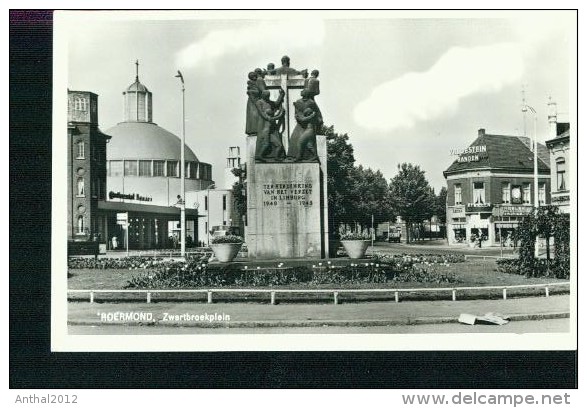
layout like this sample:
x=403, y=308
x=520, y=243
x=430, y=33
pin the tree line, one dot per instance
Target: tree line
x=358, y=194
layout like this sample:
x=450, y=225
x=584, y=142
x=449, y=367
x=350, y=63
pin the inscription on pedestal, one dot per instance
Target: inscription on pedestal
x=284, y=211
x=287, y=194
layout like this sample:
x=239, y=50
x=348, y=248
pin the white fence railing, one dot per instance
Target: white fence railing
x=335, y=292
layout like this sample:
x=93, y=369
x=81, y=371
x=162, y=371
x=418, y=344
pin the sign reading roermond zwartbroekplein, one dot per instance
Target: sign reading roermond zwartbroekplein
x=287, y=209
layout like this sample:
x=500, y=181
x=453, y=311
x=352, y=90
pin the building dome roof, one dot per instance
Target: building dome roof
x=146, y=141
x=137, y=87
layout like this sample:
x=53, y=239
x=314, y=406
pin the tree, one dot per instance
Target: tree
x=545, y=221
x=371, y=192
x=440, y=207
x=544, y=217
x=561, y=232
x=340, y=162
x=411, y=195
x=239, y=193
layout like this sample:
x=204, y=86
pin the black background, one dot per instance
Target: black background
x=32, y=365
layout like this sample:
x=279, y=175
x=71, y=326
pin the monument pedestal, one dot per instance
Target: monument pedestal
x=286, y=209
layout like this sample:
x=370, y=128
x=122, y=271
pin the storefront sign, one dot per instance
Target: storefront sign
x=113, y=195
x=469, y=150
x=560, y=199
x=512, y=210
x=473, y=208
x=470, y=154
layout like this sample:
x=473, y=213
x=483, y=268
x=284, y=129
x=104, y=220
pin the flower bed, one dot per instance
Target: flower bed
x=424, y=258
x=131, y=262
x=196, y=274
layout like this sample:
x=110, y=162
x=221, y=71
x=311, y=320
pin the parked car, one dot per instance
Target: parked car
x=395, y=235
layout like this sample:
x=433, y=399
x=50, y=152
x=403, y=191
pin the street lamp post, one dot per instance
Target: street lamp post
x=531, y=109
x=182, y=166
x=536, y=203
x=208, y=210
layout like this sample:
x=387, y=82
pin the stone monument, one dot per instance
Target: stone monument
x=287, y=206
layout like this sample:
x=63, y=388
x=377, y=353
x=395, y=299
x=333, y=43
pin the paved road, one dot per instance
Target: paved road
x=532, y=326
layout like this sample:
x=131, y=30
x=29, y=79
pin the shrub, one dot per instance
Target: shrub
x=227, y=239
x=540, y=268
x=508, y=266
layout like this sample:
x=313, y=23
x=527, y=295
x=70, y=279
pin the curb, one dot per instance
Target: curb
x=317, y=323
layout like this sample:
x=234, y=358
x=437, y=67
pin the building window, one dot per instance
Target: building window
x=80, y=104
x=81, y=188
x=81, y=150
x=172, y=168
x=505, y=193
x=130, y=168
x=478, y=193
x=145, y=168
x=526, y=193
x=561, y=183
x=158, y=168
x=206, y=203
x=458, y=195
x=80, y=225
x=542, y=193
x=115, y=168
x=188, y=172
x=224, y=202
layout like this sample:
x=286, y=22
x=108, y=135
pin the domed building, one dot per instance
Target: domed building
x=143, y=181
x=143, y=158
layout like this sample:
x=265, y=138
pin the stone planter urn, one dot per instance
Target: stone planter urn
x=226, y=252
x=355, y=249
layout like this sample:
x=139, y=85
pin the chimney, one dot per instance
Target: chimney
x=481, y=132
x=552, y=118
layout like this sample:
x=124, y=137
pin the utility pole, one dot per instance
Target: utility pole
x=182, y=167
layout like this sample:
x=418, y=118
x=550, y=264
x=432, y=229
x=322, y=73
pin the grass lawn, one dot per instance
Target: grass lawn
x=469, y=273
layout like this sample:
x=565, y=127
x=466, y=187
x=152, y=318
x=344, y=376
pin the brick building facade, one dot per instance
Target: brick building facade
x=490, y=187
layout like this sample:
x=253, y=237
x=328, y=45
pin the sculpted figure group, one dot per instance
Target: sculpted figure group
x=265, y=118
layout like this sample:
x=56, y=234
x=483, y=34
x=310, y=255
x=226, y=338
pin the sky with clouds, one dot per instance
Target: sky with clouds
x=406, y=88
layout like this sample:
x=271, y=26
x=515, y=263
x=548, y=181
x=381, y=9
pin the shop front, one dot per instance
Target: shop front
x=506, y=219
x=149, y=226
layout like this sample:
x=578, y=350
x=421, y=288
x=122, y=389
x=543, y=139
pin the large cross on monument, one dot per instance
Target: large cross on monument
x=287, y=81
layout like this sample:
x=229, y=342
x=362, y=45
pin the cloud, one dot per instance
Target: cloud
x=421, y=96
x=289, y=34
x=535, y=29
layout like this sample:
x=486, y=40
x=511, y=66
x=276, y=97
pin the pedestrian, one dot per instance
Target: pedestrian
x=114, y=242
